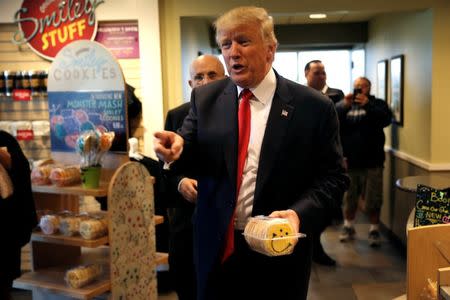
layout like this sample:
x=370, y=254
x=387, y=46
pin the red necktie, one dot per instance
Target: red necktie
x=244, y=117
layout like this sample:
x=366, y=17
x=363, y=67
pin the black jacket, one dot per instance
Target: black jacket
x=17, y=212
x=362, y=134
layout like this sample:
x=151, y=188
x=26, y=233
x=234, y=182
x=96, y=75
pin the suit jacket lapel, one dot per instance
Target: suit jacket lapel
x=228, y=103
x=277, y=125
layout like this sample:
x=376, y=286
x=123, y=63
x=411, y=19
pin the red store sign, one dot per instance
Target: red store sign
x=48, y=25
x=25, y=135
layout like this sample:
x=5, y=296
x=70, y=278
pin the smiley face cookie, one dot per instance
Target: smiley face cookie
x=270, y=236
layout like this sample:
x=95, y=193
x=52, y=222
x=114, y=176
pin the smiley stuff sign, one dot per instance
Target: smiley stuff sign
x=49, y=25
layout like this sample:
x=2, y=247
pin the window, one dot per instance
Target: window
x=338, y=65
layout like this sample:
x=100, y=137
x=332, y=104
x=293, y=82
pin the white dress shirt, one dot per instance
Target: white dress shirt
x=260, y=105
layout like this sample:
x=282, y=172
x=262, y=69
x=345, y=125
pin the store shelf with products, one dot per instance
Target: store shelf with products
x=30, y=117
x=75, y=190
x=52, y=279
x=68, y=240
x=53, y=255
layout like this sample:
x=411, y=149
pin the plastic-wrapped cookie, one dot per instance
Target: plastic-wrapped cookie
x=70, y=225
x=271, y=236
x=49, y=224
x=93, y=228
x=82, y=275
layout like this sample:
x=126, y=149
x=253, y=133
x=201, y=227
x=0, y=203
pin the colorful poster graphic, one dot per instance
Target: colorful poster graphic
x=121, y=38
x=72, y=113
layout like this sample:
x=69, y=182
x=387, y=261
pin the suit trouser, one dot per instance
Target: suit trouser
x=249, y=275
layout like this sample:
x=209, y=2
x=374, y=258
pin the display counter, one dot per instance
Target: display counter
x=54, y=254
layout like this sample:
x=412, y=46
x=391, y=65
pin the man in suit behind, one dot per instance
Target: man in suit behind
x=182, y=190
x=293, y=164
x=316, y=77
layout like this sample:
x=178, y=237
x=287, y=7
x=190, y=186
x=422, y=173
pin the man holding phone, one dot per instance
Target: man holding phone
x=362, y=118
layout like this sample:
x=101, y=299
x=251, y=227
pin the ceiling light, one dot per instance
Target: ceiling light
x=317, y=16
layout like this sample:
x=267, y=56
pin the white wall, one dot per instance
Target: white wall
x=409, y=34
x=440, y=140
x=194, y=38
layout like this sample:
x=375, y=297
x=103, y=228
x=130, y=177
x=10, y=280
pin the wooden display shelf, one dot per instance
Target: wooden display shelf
x=77, y=240
x=101, y=191
x=52, y=280
x=68, y=240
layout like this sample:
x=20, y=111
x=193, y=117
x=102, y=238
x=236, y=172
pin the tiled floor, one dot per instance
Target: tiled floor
x=362, y=272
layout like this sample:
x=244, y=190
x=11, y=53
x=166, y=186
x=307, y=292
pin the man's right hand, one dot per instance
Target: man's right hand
x=348, y=99
x=168, y=145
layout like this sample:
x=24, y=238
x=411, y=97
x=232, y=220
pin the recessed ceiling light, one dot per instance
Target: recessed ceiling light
x=317, y=16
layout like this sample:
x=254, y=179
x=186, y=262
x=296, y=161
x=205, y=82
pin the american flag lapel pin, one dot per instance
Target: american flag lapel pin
x=284, y=113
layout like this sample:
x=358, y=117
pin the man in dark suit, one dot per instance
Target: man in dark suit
x=293, y=164
x=316, y=78
x=182, y=189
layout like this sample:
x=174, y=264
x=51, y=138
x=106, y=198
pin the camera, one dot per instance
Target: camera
x=356, y=91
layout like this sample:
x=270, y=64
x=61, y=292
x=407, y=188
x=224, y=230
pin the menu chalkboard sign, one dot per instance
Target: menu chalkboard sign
x=432, y=206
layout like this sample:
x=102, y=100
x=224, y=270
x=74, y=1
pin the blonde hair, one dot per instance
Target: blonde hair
x=245, y=15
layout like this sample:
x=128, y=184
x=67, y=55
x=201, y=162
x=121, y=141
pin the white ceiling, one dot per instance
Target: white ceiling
x=332, y=17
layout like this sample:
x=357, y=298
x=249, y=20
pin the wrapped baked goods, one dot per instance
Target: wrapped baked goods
x=64, y=176
x=6, y=186
x=83, y=275
x=43, y=162
x=49, y=223
x=70, y=225
x=93, y=228
x=41, y=175
x=271, y=236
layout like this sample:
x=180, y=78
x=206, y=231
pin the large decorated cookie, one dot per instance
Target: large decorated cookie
x=132, y=234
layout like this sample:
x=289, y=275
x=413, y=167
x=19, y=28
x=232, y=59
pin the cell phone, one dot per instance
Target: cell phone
x=356, y=92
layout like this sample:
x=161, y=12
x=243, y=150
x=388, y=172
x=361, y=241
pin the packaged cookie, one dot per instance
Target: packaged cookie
x=70, y=225
x=93, y=228
x=50, y=222
x=65, y=176
x=271, y=236
x=83, y=275
x=41, y=175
